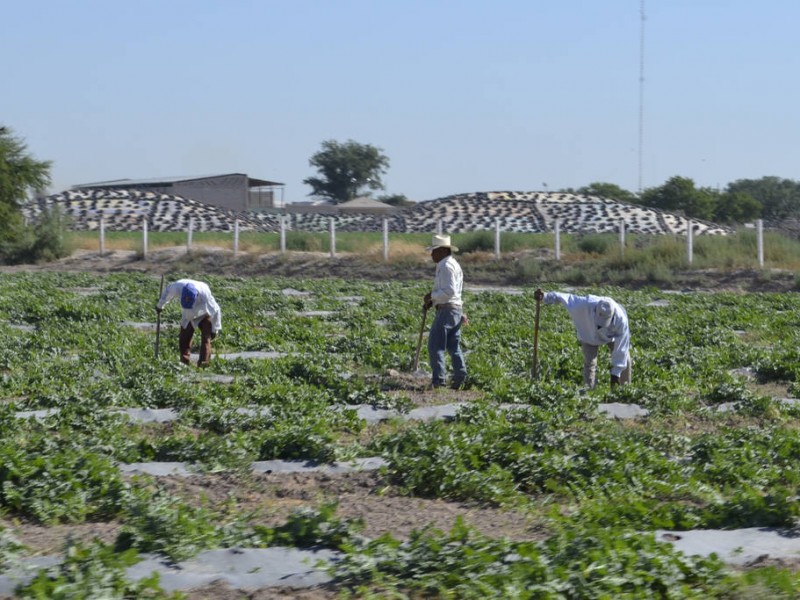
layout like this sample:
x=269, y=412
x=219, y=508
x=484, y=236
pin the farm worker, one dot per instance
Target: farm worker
x=599, y=321
x=200, y=311
x=445, y=333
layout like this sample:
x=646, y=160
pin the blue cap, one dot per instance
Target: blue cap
x=188, y=296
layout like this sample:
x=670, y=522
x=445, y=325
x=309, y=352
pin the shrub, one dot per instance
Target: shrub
x=596, y=244
x=43, y=241
x=479, y=241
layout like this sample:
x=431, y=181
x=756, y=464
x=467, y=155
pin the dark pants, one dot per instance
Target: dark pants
x=185, y=342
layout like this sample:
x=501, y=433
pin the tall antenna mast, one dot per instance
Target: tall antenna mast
x=641, y=94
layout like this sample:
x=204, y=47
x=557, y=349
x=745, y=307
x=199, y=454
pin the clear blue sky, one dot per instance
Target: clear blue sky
x=461, y=95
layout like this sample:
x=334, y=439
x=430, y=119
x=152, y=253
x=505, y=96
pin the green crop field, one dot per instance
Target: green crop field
x=718, y=449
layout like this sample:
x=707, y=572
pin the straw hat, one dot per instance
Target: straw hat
x=441, y=241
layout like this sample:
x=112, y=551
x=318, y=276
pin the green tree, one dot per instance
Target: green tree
x=21, y=175
x=780, y=198
x=346, y=169
x=736, y=207
x=608, y=190
x=679, y=194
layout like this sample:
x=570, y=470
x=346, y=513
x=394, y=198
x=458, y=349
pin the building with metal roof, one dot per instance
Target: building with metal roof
x=231, y=191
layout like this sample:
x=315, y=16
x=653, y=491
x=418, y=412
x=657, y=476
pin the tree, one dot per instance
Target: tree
x=780, y=198
x=21, y=174
x=679, y=194
x=346, y=169
x=736, y=207
x=608, y=190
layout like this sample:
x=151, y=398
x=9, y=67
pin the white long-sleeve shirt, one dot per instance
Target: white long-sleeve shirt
x=590, y=328
x=447, y=283
x=205, y=305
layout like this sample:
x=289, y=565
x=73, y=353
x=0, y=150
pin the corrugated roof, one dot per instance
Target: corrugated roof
x=252, y=182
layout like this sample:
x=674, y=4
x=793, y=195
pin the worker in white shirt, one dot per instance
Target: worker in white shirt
x=445, y=333
x=200, y=311
x=599, y=321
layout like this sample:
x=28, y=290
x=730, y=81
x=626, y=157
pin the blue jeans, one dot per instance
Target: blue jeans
x=445, y=334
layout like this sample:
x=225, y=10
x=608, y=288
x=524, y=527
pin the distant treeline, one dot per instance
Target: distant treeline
x=770, y=198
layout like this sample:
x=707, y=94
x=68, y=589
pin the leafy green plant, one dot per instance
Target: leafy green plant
x=307, y=527
x=158, y=522
x=572, y=563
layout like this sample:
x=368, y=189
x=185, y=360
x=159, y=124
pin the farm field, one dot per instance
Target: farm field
x=529, y=489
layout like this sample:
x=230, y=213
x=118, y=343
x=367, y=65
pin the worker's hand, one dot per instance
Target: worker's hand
x=213, y=335
x=427, y=301
x=614, y=381
x=158, y=310
x=538, y=295
x=464, y=320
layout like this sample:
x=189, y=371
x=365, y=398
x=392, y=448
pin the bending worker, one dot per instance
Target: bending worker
x=200, y=311
x=445, y=333
x=599, y=321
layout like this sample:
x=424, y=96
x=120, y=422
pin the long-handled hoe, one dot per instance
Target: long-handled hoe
x=535, y=367
x=416, y=371
x=158, y=316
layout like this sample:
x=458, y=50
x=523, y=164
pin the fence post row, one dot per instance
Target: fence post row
x=283, y=226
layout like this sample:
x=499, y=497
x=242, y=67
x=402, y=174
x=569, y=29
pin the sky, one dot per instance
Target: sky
x=460, y=95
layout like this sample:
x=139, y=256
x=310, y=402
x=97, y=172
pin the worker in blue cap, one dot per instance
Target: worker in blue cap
x=200, y=311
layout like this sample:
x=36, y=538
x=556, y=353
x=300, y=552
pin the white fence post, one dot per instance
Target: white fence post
x=236, y=237
x=385, y=239
x=760, y=238
x=439, y=227
x=557, y=230
x=144, y=237
x=282, y=221
x=497, y=239
x=102, y=235
x=333, y=237
x=189, y=232
x=689, y=241
x=622, y=236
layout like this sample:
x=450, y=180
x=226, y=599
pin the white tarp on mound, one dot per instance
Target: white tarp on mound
x=241, y=568
x=736, y=546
